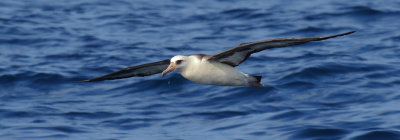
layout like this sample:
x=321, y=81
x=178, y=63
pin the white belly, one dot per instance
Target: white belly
x=216, y=74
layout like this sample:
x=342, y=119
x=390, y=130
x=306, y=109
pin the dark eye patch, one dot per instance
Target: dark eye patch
x=178, y=61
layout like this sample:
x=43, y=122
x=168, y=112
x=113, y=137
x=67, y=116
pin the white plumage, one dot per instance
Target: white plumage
x=205, y=72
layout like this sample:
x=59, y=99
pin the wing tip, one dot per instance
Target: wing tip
x=346, y=33
x=333, y=36
x=342, y=34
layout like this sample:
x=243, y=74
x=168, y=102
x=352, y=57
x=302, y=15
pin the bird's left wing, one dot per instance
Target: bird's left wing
x=139, y=70
x=237, y=55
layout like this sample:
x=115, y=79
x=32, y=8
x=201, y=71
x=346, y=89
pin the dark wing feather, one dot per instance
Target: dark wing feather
x=237, y=55
x=140, y=70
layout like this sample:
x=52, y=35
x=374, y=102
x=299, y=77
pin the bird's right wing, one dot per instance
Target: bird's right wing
x=138, y=71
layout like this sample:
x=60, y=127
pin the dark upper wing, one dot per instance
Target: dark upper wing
x=140, y=70
x=237, y=55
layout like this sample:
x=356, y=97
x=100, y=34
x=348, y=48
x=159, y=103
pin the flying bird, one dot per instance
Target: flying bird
x=216, y=69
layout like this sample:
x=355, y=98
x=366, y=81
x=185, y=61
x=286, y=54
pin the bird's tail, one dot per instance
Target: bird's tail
x=257, y=82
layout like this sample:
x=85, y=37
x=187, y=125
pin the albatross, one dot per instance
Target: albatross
x=216, y=69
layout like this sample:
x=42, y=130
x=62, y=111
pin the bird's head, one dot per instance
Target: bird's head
x=178, y=63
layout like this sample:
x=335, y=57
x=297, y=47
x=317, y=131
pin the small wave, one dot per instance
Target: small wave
x=239, y=11
x=297, y=85
x=90, y=115
x=19, y=114
x=379, y=134
x=129, y=123
x=313, y=31
x=356, y=12
x=363, y=10
x=393, y=38
x=52, y=30
x=64, y=129
x=56, y=136
x=17, y=21
x=133, y=126
x=235, y=96
x=214, y=115
x=66, y=56
x=244, y=13
x=229, y=127
x=30, y=41
x=18, y=31
x=289, y=115
x=320, y=133
x=36, y=80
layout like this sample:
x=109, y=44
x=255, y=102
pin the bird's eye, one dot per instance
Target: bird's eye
x=178, y=61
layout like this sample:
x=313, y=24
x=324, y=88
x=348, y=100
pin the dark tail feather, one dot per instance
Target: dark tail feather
x=258, y=78
x=257, y=83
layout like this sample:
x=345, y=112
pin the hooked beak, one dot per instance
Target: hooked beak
x=170, y=68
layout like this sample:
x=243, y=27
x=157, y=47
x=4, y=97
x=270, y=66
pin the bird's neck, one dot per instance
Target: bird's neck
x=192, y=64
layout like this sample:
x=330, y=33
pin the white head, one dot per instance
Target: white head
x=177, y=63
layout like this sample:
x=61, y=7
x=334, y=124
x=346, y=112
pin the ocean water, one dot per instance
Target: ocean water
x=341, y=88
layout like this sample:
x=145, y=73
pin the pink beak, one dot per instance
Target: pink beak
x=170, y=68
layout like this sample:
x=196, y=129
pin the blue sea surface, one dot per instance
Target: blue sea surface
x=342, y=88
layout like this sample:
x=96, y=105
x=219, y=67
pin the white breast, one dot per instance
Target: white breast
x=205, y=72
